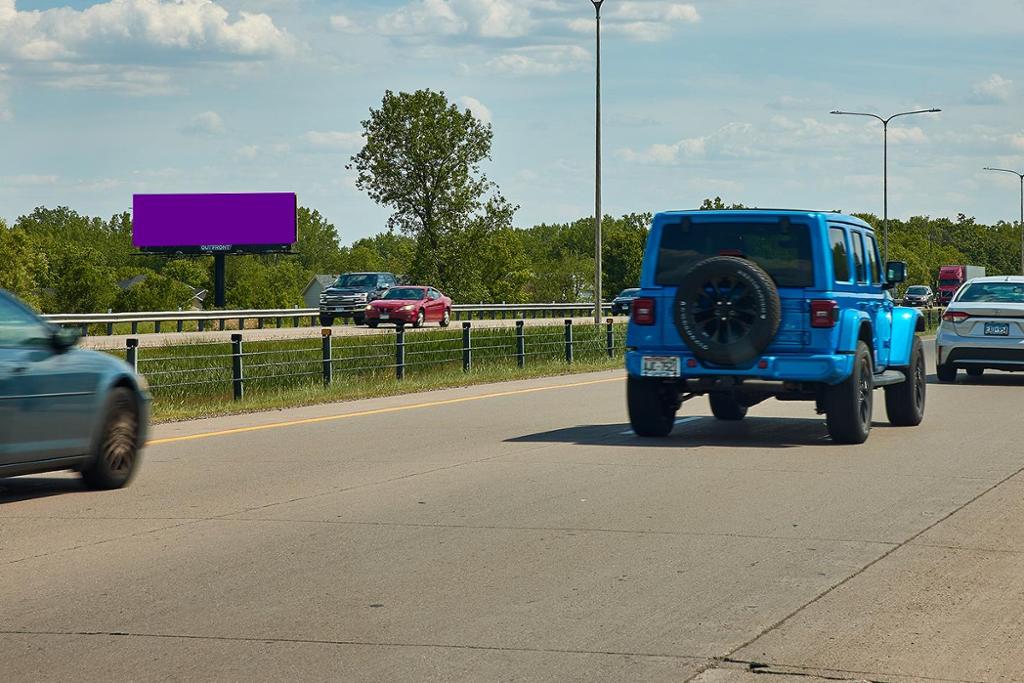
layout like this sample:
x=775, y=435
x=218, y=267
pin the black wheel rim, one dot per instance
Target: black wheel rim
x=119, y=440
x=724, y=310
x=864, y=392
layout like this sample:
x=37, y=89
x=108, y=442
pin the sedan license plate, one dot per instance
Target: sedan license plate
x=660, y=366
x=384, y=316
x=997, y=329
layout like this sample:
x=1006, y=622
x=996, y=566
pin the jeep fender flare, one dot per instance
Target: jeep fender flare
x=851, y=321
x=905, y=323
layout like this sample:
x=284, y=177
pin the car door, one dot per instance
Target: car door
x=876, y=301
x=435, y=304
x=47, y=397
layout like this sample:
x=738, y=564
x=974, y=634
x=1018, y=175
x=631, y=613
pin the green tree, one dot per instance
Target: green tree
x=317, y=244
x=79, y=282
x=422, y=159
x=192, y=272
x=622, y=251
x=154, y=293
x=23, y=263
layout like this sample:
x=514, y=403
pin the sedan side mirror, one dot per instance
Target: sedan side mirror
x=895, y=273
x=63, y=338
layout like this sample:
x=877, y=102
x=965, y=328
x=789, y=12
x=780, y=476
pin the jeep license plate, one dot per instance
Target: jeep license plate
x=997, y=329
x=660, y=366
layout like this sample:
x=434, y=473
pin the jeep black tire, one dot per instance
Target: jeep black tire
x=326, y=320
x=652, y=406
x=945, y=373
x=727, y=310
x=848, y=405
x=116, y=452
x=726, y=407
x=904, y=402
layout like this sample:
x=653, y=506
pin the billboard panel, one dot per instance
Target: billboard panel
x=263, y=221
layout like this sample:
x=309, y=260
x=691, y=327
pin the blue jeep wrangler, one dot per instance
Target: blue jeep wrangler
x=753, y=304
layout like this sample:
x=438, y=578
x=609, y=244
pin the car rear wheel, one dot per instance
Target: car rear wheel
x=945, y=373
x=652, y=406
x=326, y=320
x=446, y=319
x=726, y=407
x=358, y=319
x=117, y=450
x=904, y=402
x=849, y=404
x=975, y=372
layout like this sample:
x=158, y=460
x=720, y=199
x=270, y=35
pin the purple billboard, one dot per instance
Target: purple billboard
x=263, y=221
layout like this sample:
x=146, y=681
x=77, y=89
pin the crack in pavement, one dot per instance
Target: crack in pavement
x=767, y=669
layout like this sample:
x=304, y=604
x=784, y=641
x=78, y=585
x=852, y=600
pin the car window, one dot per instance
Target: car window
x=840, y=256
x=858, y=258
x=874, y=267
x=18, y=327
x=354, y=280
x=995, y=292
x=917, y=289
x=411, y=293
x=781, y=248
x=632, y=291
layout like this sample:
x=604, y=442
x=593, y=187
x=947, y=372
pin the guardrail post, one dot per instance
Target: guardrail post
x=400, y=351
x=236, y=366
x=325, y=335
x=131, y=353
x=156, y=326
x=110, y=328
x=260, y=322
x=929, y=312
x=278, y=323
x=609, y=335
x=467, y=347
x=520, y=344
x=222, y=324
x=135, y=327
x=202, y=324
x=241, y=324
x=181, y=325
x=568, y=340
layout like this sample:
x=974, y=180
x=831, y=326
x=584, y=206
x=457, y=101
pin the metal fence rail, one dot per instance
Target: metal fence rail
x=222, y=367
x=297, y=317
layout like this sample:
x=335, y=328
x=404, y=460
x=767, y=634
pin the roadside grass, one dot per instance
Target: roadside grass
x=195, y=379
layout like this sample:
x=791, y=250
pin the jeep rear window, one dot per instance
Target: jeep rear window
x=782, y=249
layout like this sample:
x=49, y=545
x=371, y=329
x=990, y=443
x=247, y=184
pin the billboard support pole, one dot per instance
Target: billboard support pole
x=218, y=280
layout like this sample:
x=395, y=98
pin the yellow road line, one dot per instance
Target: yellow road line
x=377, y=411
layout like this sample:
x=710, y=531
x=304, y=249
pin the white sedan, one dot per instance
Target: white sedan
x=983, y=327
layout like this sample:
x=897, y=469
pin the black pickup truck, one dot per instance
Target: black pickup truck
x=350, y=293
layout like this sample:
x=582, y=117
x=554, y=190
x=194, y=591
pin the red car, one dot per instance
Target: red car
x=410, y=306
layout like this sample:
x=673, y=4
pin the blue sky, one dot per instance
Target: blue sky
x=99, y=100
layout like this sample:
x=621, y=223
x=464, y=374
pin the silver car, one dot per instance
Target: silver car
x=983, y=327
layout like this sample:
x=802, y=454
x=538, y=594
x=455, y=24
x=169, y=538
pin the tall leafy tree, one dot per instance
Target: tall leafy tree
x=421, y=158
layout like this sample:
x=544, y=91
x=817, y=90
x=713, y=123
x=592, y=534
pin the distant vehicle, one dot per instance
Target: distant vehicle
x=621, y=303
x=348, y=296
x=919, y=295
x=410, y=306
x=951, y=278
x=63, y=407
x=748, y=305
x=983, y=327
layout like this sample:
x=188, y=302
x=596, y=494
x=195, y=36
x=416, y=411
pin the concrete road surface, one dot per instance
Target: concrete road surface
x=521, y=532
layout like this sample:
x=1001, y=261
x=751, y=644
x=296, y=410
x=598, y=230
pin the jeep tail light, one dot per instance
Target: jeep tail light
x=642, y=310
x=824, y=313
x=955, y=316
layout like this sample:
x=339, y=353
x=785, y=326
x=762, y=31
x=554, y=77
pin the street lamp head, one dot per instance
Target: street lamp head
x=597, y=3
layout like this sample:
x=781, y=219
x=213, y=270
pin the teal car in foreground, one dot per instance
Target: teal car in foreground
x=64, y=407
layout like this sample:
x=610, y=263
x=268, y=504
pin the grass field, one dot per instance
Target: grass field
x=193, y=380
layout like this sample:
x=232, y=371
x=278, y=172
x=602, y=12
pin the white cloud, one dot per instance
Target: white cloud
x=30, y=180
x=641, y=21
x=205, y=123
x=333, y=140
x=993, y=90
x=118, y=30
x=477, y=107
x=1017, y=141
x=484, y=18
x=249, y=152
x=543, y=60
x=6, y=112
x=138, y=81
x=422, y=17
x=339, y=22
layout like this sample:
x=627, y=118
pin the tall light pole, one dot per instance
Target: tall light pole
x=885, y=162
x=597, y=170
x=1021, y=177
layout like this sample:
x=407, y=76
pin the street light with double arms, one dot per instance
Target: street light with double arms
x=885, y=162
x=597, y=171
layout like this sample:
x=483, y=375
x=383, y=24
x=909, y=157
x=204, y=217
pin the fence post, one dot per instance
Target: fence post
x=400, y=351
x=568, y=340
x=236, y=366
x=131, y=353
x=467, y=348
x=520, y=344
x=610, y=337
x=325, y=335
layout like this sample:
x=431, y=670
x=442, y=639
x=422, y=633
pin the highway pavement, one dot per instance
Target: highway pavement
x=521, y=532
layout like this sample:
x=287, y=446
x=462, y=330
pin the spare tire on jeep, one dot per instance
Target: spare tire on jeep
x=727, y=310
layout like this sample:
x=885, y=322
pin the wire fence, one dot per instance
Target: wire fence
x=231, y=369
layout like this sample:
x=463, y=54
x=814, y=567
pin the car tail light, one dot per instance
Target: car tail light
x=824, y=313
x=955, y=316
x=643, y=311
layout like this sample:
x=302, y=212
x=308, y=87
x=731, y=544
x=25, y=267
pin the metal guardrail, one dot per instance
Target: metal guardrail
x=299, y=316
